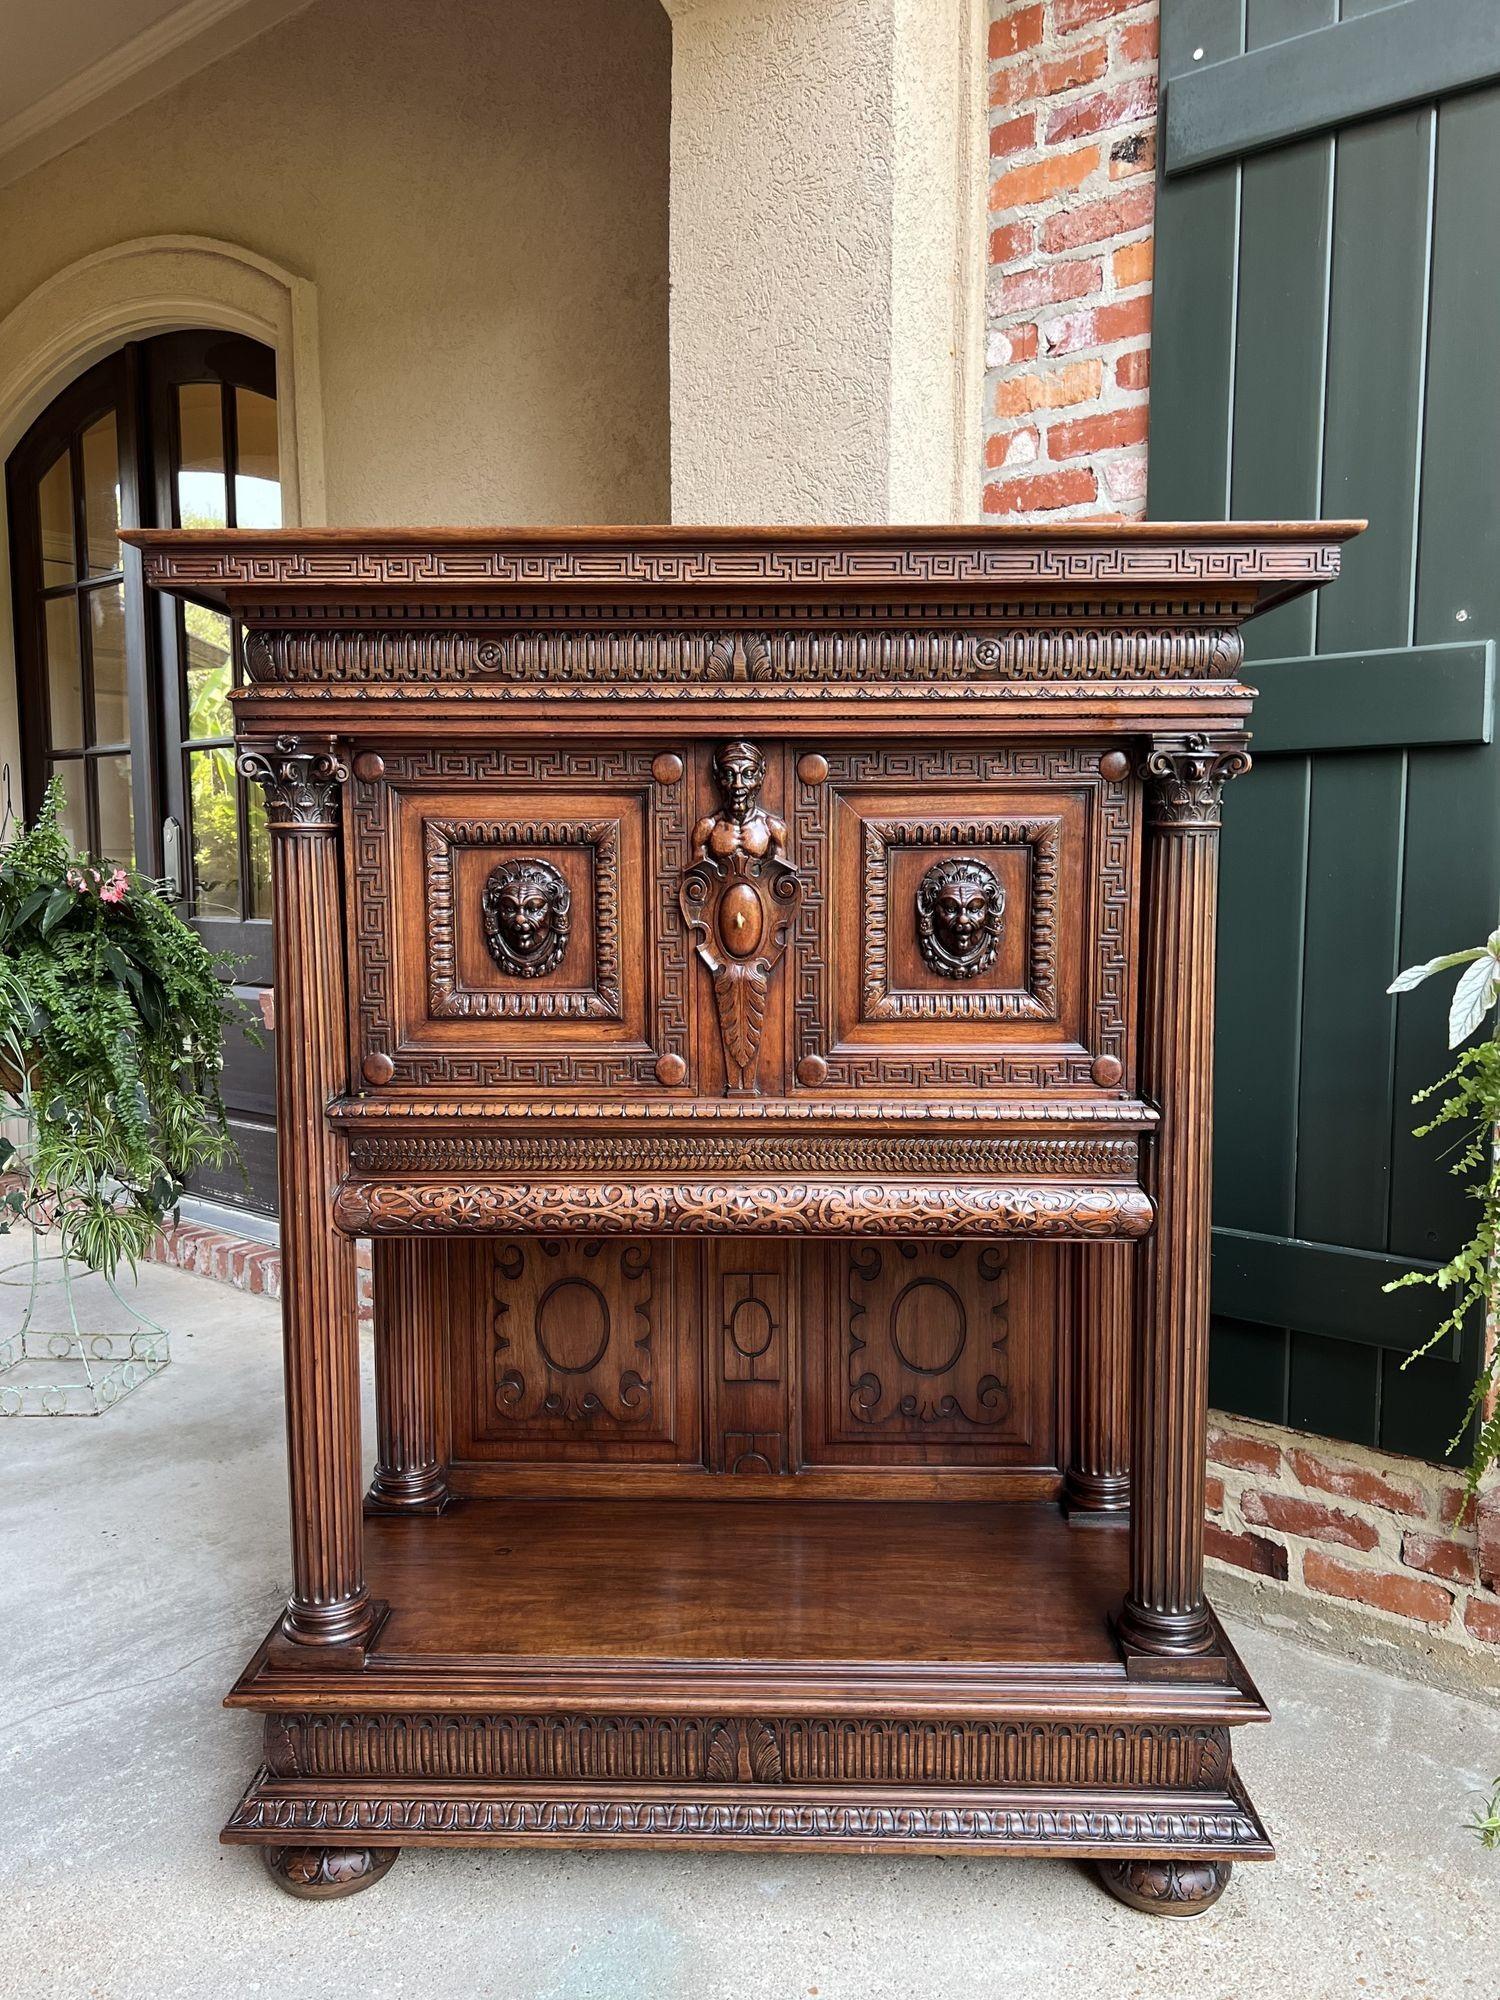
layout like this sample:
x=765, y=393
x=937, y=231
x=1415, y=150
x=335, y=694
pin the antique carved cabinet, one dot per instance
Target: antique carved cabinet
x=754, y=988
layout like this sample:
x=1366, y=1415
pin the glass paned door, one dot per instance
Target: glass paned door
x=72, y=485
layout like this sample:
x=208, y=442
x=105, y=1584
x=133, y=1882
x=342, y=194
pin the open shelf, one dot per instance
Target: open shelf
x=944, y=1606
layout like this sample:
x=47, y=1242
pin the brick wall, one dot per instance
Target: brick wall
x=1072, y=160
x=1379, y=1549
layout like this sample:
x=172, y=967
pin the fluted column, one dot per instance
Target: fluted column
x=1098, y=1475
x=411, y=1469
x=329, y=1604
x=1164, y=1611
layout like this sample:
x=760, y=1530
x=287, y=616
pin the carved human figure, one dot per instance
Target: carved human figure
x=528, y=912
x=741, y=826
x=960, y=915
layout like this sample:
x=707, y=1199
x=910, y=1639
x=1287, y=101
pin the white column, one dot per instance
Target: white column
x=827, y=259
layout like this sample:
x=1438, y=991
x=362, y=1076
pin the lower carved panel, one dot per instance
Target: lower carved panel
x=768, y=1750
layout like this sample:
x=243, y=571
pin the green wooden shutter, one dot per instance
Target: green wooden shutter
x=1327, y=342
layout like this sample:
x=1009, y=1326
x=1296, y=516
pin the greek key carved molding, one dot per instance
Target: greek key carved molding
x=1039, y=1000
x=402, y=1112
x=767, y=1750
x=1185, y=779
x=486, y=1154
x=778, y=1208
x=446, y=998
x=302, y=779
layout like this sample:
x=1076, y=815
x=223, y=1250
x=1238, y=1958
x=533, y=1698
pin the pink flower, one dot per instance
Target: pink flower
x=74, y=879
x=114, y=889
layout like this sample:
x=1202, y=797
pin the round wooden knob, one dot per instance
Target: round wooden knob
x=377, y=1067
x=812, y=769
x=1113, y=765
x=1106, y=1071
x=369, y=765
x=671, y=1070
x=667, y=768
x=812, y=1070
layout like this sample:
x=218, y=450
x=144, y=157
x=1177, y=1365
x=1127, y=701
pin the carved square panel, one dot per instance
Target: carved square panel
x=515, y=922
x=967, y=920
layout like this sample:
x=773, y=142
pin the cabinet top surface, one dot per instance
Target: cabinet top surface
x=1254, y=562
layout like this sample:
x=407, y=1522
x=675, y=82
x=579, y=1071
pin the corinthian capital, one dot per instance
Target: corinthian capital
x=302, y=777
x=1185, y=778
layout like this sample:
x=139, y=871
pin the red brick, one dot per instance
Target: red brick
x=1068, y=16
x=1429, y=1603
x=1125, y=319
x=1047, y=285
x=1049, y=389
x=1075, y=487
x=1024, y=185
x=1133, y=370
x=1106, y=432
x=1016, y=239
x=1013, y=136
x=1355, y=1482
x=1018, y=447
x=1252, y=1552
x=1017, y=83
x=1213, y=1494
x=1456, y=1507
x=1438, y=1556
x=1131, y=264
x=1021, y=29
x=1487, y=1520
x=1244, y=1454
x=1070, y=72
x=1138, y=44
x=1135, y=154
x=265, y=999
x=1309, y=1518
x=1125, y=104
x=1096, y=221
x=1482, y=1618
x=1013, y=343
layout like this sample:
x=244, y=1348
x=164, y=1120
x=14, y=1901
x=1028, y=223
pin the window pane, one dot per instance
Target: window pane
x=216, y=833
x=74, y=818
x=55, y=506
x=116, y=812
x=107, y=644
x=64, y=675
x=209, y=664
x=101, y=495
x=260, y=852
x=257, y=474
x=200, y=472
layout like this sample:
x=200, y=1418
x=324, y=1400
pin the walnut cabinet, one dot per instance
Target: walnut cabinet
x=754, y=988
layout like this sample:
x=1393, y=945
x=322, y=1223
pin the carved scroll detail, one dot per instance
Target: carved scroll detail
x=739, y=899
x=302, y=780
x=1185, y=778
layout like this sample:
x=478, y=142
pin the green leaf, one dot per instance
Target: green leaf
x=1415, y=974
x=59, y=904
x=1473, y=998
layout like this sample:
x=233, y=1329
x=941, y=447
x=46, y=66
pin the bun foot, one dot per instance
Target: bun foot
x=324, y=1872
x=1182, y=1888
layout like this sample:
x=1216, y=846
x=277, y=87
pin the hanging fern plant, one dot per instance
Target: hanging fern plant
x=112, y=1022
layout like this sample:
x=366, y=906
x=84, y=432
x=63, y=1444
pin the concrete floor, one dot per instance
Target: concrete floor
x=144, y=1556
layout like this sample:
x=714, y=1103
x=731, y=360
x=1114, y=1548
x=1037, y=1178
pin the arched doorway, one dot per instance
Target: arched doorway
x=125, y=699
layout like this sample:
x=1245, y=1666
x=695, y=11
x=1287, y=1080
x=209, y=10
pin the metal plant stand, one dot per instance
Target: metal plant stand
x=72, y=1370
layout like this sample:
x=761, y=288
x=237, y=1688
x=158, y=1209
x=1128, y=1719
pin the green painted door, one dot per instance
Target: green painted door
x=1327, y=342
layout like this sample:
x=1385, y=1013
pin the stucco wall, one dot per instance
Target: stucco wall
x=478, y=190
